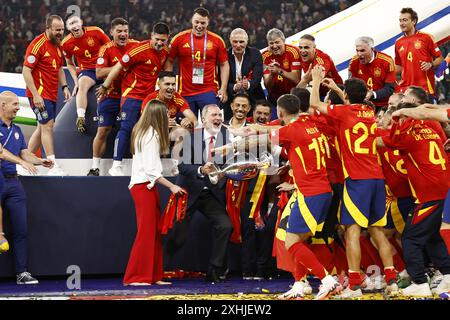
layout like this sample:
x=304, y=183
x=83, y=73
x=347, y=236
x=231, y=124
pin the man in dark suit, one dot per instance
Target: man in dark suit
x=246, y=70
x=195, y=164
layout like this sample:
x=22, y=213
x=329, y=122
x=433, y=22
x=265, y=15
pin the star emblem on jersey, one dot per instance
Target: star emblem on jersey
x=59, y=52
x=91, y=42
x=418, y=44
x=31, y=59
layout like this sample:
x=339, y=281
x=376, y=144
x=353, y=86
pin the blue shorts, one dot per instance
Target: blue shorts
x=89, y=73
x=307, y=213
x=446, y=211
x=198, y=101
x=49, y=112
x=108, y=111
x=130, y=113
x=397, y=212
x=364, y=203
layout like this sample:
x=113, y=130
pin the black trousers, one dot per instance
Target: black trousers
x=221, y=225
x=257, y=244
x=422, y=233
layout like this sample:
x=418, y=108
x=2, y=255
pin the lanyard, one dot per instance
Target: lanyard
x=204, y=47
x=9, y=136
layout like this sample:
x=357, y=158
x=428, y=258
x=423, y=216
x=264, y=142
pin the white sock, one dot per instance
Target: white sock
x=116, y=163
x=81, y=112
x=96, y=163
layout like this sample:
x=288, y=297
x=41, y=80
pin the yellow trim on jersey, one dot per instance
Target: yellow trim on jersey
x=180, y=34
x=429, y=85
x=320, y=60
x=38, y=45
x=356, y=214
x=281, y=233
x=315, y=240
x=306, y=213
x=67, y=38
x=94, y=28
x=139, y=49
x=413, y=161
x=218, y=37
x=41, y=87
x=300, y=155
x=293, y=51
x=127, y=91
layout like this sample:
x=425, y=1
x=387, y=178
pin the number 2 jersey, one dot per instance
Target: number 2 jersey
x=357, y=132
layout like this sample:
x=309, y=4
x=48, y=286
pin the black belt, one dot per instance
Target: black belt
x=10, y=175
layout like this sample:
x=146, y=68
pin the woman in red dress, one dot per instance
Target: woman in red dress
x=149, y=139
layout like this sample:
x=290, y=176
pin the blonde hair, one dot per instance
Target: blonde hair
x=155, y=116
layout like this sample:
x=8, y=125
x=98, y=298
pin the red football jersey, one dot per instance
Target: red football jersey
x=356, y=127
x=45, y=59
x=327, y=63
x=142, y=64
x=333, y=159
x=175, y=105
x=307, y=148
x=216, y=52
x=410, y=51
x=86, y=48
x=108, y=57
x=448, y=114
x=395, y=173
x=289, y=61
x=425, y=159
x=375, y=74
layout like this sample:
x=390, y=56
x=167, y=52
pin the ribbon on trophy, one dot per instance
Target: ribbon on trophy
x=235, y=196
x=257, y=200
x=175, y=209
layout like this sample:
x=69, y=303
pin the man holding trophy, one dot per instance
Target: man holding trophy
x=306, y=148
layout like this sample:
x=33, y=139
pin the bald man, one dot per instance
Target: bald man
x=13, y=197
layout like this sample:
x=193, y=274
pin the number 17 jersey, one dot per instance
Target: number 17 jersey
x=357, y=133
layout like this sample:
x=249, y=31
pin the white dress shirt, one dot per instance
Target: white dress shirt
x=146, y=165
x=206, y=139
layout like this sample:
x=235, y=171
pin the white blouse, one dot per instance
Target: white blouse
x=146, y=165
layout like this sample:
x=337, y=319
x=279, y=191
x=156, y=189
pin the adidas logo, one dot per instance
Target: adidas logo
x=46, y=54
x=149, y=61
x=401, y=48
x=76, y=48
x=186, y=45
x=359, y=71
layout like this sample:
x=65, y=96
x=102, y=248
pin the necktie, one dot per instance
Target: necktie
x=210, y=148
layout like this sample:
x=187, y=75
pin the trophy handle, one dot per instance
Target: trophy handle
x=214, y=176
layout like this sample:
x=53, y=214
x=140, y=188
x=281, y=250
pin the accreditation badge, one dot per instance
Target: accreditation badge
x=198, y=73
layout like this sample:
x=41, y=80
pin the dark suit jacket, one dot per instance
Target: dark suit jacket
x=252, y=68
x=192, y=157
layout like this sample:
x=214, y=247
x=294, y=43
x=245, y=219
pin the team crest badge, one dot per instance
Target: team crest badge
x=418, y=44
x=209, y=45
x=173, y=111
x=16, y=135
x=44, y=115
x=377, y=72
x=123, y=115
x=31, y=59
x=286, y=64
x=91, y=42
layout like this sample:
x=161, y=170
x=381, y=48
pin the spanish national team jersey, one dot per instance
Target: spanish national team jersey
x=448, y=114
x=108, y=57
x=395, y=173
x=357, y=129
x=376, y=74
x=288, y=61
x=425, y=159
x=193, y=57
x=44, y=59
x=324, y=60
x=175, y=105
x=410, y=51
x=143, y=63
x=307, y=149
x=86, y=48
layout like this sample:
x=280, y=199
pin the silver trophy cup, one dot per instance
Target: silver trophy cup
x=241, y=167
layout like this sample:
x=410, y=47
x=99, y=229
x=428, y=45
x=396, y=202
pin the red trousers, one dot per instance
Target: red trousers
x=146, y=259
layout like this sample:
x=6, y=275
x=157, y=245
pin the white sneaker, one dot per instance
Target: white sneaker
x=56, y=171
x=373, y=283
x=116, y=172
x=436, y=279
x=348, y=293
x=328, y=288
x=296, y=292
x=417, y=290
x=404, y=279
x=443, y=286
